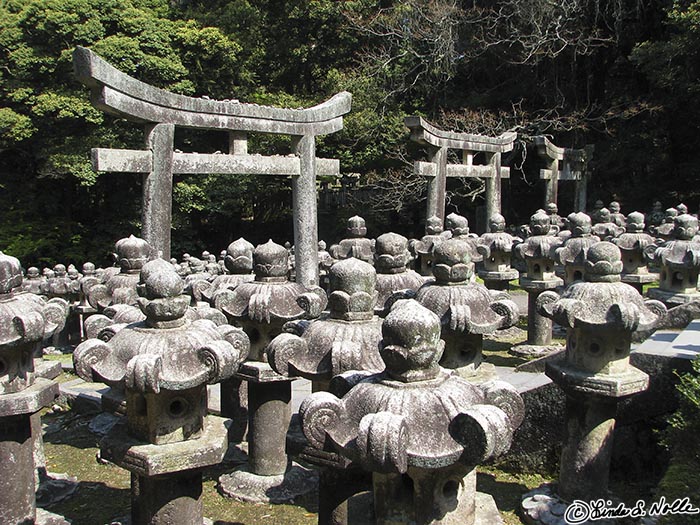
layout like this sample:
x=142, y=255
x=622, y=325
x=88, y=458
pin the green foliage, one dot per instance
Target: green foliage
x=14, y=128
x=38, y=86
x=671, y=66
x=685, y=422
x=683, y=476
x=623, y=77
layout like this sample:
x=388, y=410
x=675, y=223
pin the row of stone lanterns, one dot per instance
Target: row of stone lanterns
x=163, y=361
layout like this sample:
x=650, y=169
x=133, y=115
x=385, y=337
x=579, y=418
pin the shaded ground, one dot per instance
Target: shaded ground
x=103, y=491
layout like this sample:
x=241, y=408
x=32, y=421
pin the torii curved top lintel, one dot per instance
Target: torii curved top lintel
x=547, y=149
x=424, y=132
x=119, y=94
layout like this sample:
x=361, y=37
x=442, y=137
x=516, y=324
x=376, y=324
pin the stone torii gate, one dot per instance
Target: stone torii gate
x=161, y=111
x=438, y=170
x=564, y=164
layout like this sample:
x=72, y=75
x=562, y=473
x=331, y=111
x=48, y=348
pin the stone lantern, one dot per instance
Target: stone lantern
x=616, y=215
x=258, y=396
x=600, y=314
x=595, y=213
x=262, y=306
x=572, y=253
x=345, y=339
x=458, y=226
x=679, y=261
x=496, y=247
x=60, y=285
x=238, y=261
x=538, y=253
x=554, y=218
x=418, y=428
x=466, y=309
x=33, y=282
x=325, y=261
x=423, y=248
x=356, y=244
x=635, y=246
x=120, y=288
x=656, y=216
x=393, y=274
x=665, y=230
x=23, y=326
x=164, y=365
x=604, y=226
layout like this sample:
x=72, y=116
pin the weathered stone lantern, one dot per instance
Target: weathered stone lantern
x=238, y=262
x=262, y=307
x=679, y=261
x=572, y=253
x=554, y=218
x=164, y=365
x=496, y=247
x=393, y=275
x=466, y=309
x=60, y=285
x=616, y=215
x=32, y=283
x=131, y=254
x=420, y=429
x=656, y=216
x=538, y=253
x=345, y=339
x=600, y=314
x=423, y=248
x=23, y=325
x=604, y=226
x=458, y=226
x=356, y=244
x=635, y=246
x=665, y=230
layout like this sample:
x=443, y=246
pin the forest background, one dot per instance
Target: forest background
x=623, y=75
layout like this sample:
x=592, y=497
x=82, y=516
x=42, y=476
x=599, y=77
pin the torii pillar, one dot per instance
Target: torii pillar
x=563, y=164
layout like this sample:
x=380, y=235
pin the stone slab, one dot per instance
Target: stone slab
x=83, y=396
x=522, y=381
x=361, y=509
x=536, y=443
x=47, y=369
x=246, y=486
x=612, y=386
x=671, y=298
x=538, y=365
x=637, y=278
x=32, y=399
x=685, y=345
x=486, y=511
x=152, y=460
x=45, y=517
x=532, y=285
x=259, y=372
x=662, y=356
x=539, y=351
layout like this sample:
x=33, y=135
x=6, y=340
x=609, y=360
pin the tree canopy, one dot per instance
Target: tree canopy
x=621, y=75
